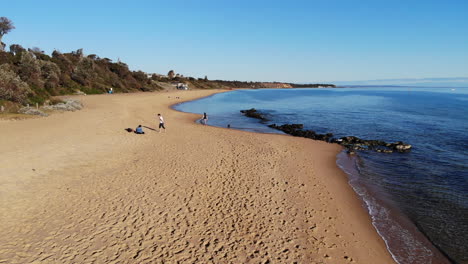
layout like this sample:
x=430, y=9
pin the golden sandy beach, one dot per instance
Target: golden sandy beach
x=76, y=188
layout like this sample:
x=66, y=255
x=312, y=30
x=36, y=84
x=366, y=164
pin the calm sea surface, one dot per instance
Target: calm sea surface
x=417, y=200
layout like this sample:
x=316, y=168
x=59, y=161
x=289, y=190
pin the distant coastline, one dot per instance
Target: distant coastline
x=455, y=82
x=30, y=76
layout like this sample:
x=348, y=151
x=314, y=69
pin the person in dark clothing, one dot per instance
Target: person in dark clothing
x=205, y=119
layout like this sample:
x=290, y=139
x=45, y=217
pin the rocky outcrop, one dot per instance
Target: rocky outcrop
x=253, y=113
x=352, y=143
x=297, y=130
x=356, y=143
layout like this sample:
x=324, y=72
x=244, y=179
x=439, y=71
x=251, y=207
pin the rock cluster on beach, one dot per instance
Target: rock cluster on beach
x=66, y=105
x=31, y=111
x=352, y=143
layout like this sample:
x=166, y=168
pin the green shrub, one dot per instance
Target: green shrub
x=12, y=88
x=30, y=70
x=50, y=73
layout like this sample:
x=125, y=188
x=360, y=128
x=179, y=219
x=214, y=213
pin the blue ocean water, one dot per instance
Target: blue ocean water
x=413, y=197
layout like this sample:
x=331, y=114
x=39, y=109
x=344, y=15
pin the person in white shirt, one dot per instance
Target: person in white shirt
x=161, y=123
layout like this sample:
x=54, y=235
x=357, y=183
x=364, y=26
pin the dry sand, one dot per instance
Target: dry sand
x=77, y=188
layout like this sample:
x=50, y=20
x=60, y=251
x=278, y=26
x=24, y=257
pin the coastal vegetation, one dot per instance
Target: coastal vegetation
x=6, y=25
x=30, y=76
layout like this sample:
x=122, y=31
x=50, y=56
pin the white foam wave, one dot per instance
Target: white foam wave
x=400, y=242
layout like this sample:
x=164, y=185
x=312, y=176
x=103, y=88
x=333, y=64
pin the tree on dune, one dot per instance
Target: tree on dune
x=16, y=49
x=5, y=26
x=171, y=74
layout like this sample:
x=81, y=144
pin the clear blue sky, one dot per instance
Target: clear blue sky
x=295, y=41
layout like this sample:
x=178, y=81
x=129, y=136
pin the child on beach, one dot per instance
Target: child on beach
x=161, y=123
x=205, y=119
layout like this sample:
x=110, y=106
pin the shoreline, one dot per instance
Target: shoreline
x=377, y=206
x=396, y=243
x=245, y=187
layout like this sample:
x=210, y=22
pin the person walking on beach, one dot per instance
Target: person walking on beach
x=205, y=119
x=161, y=123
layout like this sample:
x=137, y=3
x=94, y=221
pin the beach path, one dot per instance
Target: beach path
x=76, y=188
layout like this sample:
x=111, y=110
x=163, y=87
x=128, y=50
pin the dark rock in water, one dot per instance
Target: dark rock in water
x=352, y=143
x=350, y=140
x=400, y=146
x=297, y=130
x=253, y=113
x=288, y=128
x=377, y=145
x=355, y=140
x=336, y=140
x=403, y=147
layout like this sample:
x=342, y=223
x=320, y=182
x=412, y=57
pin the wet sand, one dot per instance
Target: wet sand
x=77, y=188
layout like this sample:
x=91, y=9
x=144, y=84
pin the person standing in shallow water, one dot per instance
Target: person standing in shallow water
x=205, y=119
x=161, y=123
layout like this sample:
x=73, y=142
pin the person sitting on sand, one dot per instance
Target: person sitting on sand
x=139, y=130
